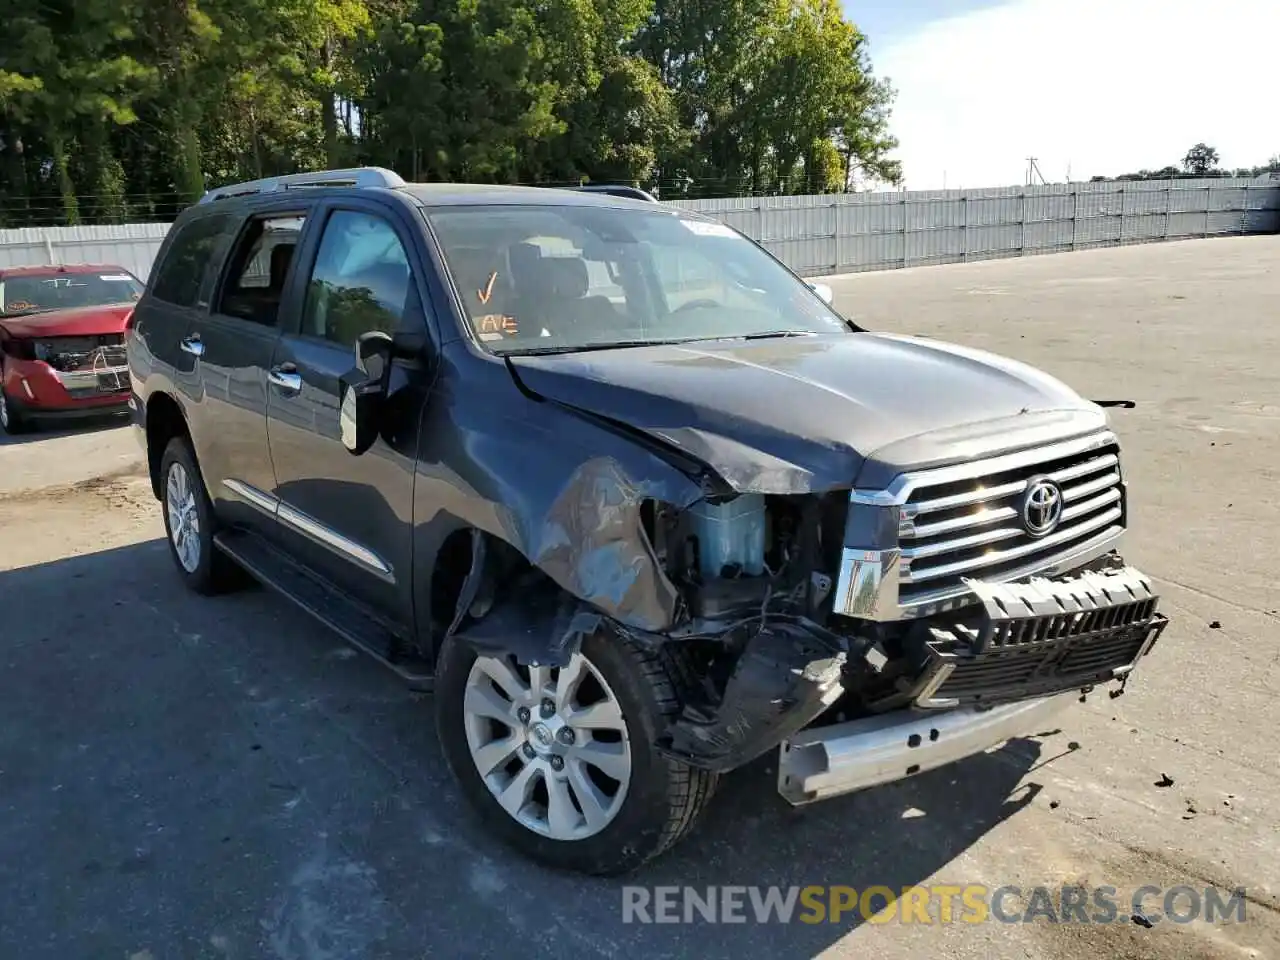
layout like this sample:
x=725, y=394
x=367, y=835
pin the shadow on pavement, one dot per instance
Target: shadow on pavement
x=37, y=432
x=223, y=778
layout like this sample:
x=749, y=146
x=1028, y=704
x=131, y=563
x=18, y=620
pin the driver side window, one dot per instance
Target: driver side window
x=361, y=280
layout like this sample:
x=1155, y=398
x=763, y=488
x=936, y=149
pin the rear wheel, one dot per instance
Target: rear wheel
x=190, y=522
x=560, y=762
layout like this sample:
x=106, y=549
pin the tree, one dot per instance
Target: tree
x=113, y=109
x=1200, y=159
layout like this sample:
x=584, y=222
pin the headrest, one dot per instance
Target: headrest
x=567, y=277
x=561, y=277
x=281, y=257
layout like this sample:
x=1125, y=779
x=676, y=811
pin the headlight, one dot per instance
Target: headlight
x=867, y=586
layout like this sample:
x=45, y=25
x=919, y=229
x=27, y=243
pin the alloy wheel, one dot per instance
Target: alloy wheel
x=549, y=743
x=184, y=519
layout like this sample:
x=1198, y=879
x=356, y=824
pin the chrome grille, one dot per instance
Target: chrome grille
x=961, y=523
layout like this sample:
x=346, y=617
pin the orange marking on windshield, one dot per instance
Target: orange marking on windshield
x=487, y=292
x=498, y=323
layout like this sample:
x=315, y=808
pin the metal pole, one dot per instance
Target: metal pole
x=835, y=234
x=1075, y=216
x=903, y=204
x=1120, y=238
x=1022, y=224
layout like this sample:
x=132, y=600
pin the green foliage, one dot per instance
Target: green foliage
x=119, y=109
x=1200, y=161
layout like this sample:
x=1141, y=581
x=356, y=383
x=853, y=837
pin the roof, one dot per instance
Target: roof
x=372, y=180
x=46, y=269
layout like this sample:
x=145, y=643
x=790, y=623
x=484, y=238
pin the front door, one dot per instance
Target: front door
x=349, y=517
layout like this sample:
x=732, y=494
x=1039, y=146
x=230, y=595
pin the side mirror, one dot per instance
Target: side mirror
x=823, y=291
x=364, y=388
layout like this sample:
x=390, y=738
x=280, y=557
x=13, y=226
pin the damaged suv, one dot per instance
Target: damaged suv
x=628, y=495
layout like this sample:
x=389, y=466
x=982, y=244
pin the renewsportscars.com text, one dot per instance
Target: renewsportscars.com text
x=931, y=904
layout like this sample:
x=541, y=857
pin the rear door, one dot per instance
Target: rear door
x=178, y=292
x=350, y=516
x=232, y=344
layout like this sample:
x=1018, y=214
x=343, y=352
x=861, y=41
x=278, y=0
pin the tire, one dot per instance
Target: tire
x=11, y=419
x=204, y=568
x=662, y=799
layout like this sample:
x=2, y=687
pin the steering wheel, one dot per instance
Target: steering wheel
x=697, y=305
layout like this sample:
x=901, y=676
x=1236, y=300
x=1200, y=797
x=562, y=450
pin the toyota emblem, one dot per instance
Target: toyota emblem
x=1041, y=506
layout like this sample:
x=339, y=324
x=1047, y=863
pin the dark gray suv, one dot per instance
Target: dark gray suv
x=627, y=494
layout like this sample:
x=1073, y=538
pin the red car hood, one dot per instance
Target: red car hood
x=81, y=322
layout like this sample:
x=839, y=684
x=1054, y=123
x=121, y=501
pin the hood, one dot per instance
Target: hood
x=813, y=413
x=80, y=322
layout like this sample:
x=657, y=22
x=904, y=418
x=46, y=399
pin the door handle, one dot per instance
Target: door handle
x=192, y=345
x=285, y=378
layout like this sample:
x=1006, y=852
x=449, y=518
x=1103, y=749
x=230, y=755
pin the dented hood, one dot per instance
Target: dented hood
x=76, y=322
x=812, y=413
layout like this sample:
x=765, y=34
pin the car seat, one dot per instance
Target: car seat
x=551, y=293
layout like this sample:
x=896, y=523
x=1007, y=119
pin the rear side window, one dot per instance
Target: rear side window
x=179, y=276
x=259, y=267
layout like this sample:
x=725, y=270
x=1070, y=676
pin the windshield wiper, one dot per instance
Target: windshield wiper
x=590, y=347
x=774, y=335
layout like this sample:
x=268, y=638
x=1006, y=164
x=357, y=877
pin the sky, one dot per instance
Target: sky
x=1089, y=87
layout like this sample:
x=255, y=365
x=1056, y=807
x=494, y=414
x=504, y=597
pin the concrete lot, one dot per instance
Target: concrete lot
x=182, y=777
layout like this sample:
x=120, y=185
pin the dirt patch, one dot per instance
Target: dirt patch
x=77, y=518
x=1130, y=941
x=1244, y=928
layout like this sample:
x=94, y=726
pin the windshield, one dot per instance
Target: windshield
x=550, y=279
x=38, y=293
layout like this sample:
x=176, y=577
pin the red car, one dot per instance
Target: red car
x=62, y=342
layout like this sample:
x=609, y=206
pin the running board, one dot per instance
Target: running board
x=341, y=614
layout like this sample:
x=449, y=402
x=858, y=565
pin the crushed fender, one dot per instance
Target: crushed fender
x=592, y=543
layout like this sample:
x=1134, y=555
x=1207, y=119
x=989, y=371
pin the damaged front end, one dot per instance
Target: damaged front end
x=869, y=633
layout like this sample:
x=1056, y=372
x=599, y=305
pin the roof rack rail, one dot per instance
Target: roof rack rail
x=617, y=190
x=350, y=177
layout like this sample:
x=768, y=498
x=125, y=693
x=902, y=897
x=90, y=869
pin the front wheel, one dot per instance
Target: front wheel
x=11, y=421
x=560, y=762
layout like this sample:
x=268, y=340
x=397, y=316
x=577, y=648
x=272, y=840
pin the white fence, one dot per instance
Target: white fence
x=836, y=233
x=129, y=245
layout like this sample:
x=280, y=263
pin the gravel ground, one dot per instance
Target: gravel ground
x=186, y=777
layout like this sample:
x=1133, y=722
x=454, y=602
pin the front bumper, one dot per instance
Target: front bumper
x=993, y=675
x=1038, y=638
x=40, y=391
x=77, y=410
x=828, y=761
